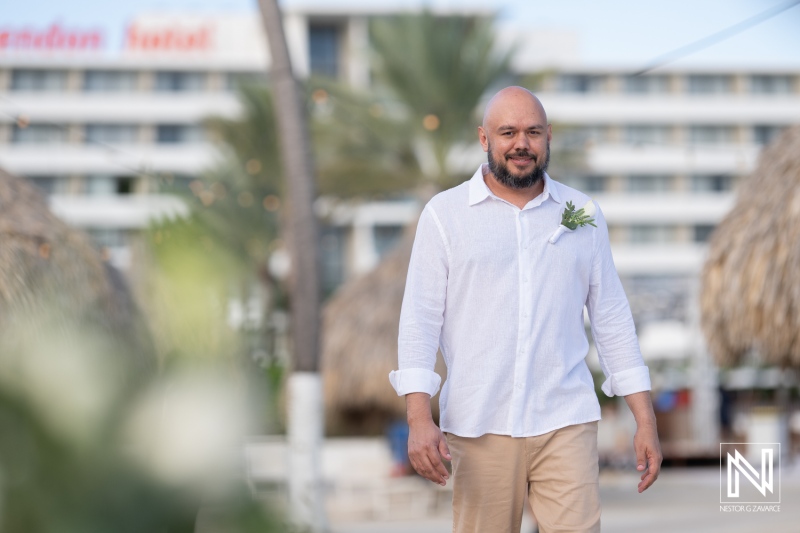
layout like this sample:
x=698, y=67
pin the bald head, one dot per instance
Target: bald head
x=516, y=137
x=513, y=101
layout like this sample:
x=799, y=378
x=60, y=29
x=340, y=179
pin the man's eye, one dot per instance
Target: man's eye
x=506, y=133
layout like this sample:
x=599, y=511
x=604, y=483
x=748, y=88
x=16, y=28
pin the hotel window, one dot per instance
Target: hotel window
x=587, y=184
x=708, y=84
x=39, y=134
x=323, y=48
x=711, y=134
x=649, y=183
x=581, y=83
x=110, y=185
x=109, y=81
x=651, y=233
x=766, y=134
x=771, y=84
x=112, y=133
x=702, y=232
x=180, y=82
x=386, y=237
x=579, y=136
x=178, y=134
x=641, y=135
x=181, y=182
x=646, y=84
x=49, y=184
x=38, y=80
x=712, y=183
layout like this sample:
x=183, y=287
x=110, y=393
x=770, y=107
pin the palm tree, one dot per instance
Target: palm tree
x=304, y=386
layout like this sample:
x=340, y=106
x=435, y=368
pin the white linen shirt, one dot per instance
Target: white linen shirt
x=506, y=309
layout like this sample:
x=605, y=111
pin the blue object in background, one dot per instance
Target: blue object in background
x=666, y=401
x=397, y=433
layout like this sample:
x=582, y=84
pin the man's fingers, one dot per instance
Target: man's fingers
x=438, y=466
x=427, y=464
x=443, y=449
x=651, y=474
x=423, y=466
x=648, y=480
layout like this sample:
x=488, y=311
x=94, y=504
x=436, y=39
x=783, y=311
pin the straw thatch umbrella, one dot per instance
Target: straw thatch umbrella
x=750, y=285
x=359, y=347
x=52, y=276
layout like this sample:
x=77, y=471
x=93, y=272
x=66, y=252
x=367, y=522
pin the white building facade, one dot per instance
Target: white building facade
x=98, y=124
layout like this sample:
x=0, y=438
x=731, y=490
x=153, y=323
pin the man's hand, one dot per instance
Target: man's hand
x=645, y=441
x=426, y=447
x=426, y=443
x=648, y=455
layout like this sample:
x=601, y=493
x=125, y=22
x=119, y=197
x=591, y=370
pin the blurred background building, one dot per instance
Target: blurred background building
x=104, y=130
x=664, y=151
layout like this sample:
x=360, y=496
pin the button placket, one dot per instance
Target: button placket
x=517, y=396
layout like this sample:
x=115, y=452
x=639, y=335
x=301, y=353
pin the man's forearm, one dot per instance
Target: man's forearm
x=418, y=407
x=642, y=408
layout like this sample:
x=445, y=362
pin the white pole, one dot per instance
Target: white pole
x=306, y=493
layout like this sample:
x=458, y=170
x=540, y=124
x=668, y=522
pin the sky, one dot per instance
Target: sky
x=610, y=32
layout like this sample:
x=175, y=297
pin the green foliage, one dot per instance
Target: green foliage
x=67, y=398
x=253, y=138
x=438, y=67
x=186, y=290
x=361, y=148
x=572, y=219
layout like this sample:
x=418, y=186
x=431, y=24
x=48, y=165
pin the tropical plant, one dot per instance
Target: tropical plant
x=437, y=69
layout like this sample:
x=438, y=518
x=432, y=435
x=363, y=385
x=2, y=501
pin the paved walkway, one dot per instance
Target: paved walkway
x=684, y=501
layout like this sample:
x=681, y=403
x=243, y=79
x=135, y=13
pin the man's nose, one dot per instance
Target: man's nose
x=521, y=142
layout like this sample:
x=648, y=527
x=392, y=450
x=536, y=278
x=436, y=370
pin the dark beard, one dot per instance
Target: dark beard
x=504, y=176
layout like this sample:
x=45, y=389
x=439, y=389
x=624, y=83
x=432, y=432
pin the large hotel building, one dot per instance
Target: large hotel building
x=91, y=122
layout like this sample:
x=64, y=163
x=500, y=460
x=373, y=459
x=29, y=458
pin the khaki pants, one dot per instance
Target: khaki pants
x=557, y=471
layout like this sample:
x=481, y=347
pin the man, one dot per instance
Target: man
x=505, y=306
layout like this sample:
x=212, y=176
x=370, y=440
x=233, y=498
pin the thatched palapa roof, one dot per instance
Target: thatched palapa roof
x=359, y=346
x=51, y=274
x=750, y=286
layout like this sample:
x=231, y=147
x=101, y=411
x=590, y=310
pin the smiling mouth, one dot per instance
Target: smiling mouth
x=520, y=161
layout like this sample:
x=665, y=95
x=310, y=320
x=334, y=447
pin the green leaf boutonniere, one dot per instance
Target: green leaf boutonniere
x=571, y=219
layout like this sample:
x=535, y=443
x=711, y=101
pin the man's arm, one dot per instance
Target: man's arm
x=645, y=442
x=618, y=351
x=421, y=319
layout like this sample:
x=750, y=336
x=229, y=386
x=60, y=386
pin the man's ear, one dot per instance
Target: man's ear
x=483, y=139
x=549, y=132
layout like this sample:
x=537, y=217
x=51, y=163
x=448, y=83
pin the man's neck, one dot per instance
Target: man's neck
x=517, y=197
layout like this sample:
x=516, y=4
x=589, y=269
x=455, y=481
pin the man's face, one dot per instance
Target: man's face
x=516, y=137
x=518, y=174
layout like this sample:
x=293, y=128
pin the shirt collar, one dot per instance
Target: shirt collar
x=479, y=191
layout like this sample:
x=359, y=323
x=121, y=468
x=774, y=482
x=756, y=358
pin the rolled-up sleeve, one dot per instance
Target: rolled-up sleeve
x=422, y=312
x=612, y=324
